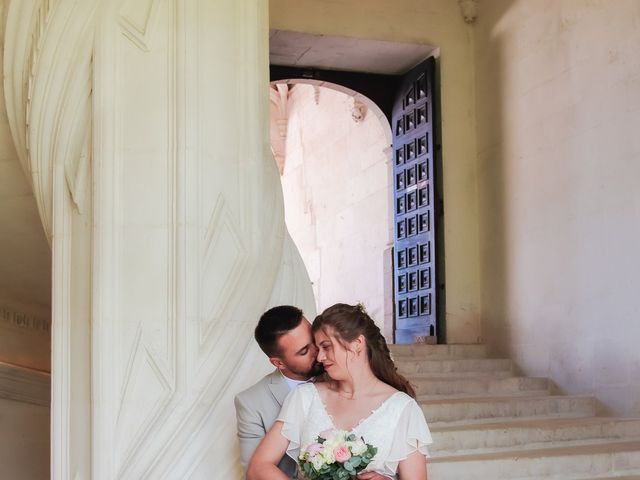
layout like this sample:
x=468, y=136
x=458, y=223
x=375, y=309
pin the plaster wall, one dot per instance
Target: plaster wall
x=558, y=102
x=438, y=23
x=24, y=440
x=337, y=193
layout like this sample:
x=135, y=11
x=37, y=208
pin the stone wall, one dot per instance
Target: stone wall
x=558, y=102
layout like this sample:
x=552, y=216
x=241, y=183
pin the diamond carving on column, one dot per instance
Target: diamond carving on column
x=144, y=384
x=137, y=18
x=224, y=258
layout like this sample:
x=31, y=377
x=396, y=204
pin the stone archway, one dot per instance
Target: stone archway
x=332, y=148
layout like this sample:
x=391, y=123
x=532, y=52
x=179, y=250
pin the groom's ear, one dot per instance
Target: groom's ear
x=276, y=362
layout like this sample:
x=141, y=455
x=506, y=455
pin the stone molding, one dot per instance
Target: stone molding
x=23, y=321
x=25, y=385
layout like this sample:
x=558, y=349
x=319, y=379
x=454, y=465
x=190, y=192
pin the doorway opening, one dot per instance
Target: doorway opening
x=332, y=148
x=386, y=251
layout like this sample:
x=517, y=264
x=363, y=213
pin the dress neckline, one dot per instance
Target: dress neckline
x=362, y=420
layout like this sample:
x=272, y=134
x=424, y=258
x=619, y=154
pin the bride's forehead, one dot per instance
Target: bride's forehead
x=324, y=333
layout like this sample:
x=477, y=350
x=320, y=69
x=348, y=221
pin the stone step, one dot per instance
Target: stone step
x=418, y=351
x=427, y=388
x=450, y=411
x=627, y=476
x=412, y=367
x=531, y=434
x=568, y=463
x=451, y=375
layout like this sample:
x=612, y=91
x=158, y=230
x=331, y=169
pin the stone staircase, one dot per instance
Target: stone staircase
x=490, y=424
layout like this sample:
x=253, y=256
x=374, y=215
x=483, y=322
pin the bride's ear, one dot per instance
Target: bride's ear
x=359, y=344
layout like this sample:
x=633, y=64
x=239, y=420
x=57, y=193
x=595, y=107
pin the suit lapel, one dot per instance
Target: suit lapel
x=278, y=386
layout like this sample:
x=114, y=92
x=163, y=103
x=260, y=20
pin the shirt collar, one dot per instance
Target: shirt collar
x=291, y=383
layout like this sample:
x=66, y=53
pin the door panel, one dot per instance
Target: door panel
x=414, y=242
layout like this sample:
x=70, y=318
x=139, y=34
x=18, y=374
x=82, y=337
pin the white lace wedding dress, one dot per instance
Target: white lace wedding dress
x=397, y=427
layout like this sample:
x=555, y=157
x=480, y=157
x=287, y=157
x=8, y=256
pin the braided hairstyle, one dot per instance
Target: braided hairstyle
x=350, y=321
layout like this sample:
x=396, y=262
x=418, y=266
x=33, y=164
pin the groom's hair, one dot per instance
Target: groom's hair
x=274, y=323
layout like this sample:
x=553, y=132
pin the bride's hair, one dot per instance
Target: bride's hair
x=350, y=321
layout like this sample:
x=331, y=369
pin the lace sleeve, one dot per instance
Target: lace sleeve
x=411, y=434
x=294, y=411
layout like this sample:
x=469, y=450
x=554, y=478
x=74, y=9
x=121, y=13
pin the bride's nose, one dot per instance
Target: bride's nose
x=321, y=356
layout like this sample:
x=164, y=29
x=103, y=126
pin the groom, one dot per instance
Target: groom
x=284, y=335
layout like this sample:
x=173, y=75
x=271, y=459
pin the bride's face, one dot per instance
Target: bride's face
x=332, y=354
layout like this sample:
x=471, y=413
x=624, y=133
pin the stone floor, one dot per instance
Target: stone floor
x=488, y=423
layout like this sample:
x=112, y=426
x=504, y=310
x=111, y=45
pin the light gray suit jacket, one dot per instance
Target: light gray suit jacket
x=256, y=410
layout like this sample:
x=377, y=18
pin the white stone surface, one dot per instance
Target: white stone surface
x=337, y=194
x=558, y=115
x=155, y=183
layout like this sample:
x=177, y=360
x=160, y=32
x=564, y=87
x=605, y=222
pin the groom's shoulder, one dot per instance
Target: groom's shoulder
x=257, y=389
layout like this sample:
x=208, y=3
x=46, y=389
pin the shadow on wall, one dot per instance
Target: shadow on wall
x=495, y=246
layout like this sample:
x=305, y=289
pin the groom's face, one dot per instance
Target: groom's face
x=297, y=358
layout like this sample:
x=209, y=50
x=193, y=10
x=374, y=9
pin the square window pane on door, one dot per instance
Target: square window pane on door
x=402, y=283
x=402, y=259
x=402, y=308
x=412, y=201
x=413, y=307
x=412, y=227
x=425, y=304
x=425, y=278
x=400, y=230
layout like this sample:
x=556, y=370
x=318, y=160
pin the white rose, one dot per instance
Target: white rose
x=327, y=455
x=358, y=447
x=317, y=462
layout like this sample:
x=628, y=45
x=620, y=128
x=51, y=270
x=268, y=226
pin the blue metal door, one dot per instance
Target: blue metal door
x=413, y=155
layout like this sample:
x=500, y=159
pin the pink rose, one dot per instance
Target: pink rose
x=342, y=453
x=314, y=449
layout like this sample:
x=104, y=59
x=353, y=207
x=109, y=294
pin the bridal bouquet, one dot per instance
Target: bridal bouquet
x=335, y=455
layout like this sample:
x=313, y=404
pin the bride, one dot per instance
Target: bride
x=363, y=395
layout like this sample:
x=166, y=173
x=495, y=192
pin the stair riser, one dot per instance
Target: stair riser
x=569, y=466
x=499, y=439
x=411, y=367
x=512, y=408
x=438, y=351
x=490, y=386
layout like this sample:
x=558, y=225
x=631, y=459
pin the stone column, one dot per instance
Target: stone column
x=144, y=127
